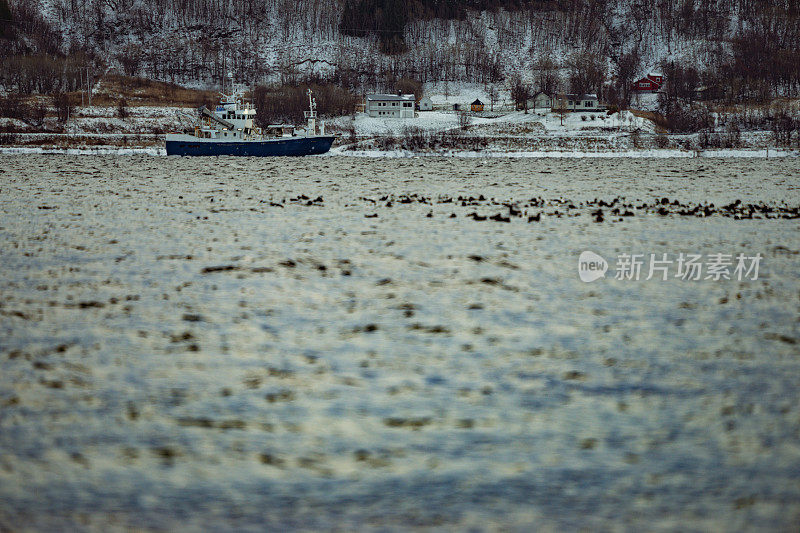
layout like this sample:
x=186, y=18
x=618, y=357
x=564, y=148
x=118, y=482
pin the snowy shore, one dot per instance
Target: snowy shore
x=630, y=153
x=500, y=133
x=641, y=153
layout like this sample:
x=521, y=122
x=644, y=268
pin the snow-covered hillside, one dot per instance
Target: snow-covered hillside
x=199, y=42
x=724, y=53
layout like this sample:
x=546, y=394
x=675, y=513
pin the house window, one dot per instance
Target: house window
x=588, y=103
x=407, y=104
x=571, y=102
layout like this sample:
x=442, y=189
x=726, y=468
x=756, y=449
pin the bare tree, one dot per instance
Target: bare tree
x=546, y=78
x=409, y=86
x=122, y=109
x=493, y=96
x=464, y=120
x=130, y=58
x=520, y=93
x=561, y=107
x=63, y=106
x=587, y=73
x=627, y=66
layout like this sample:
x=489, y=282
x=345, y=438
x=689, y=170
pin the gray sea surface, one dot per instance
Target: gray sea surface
x=344, y=343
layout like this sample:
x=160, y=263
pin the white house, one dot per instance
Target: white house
x=541, y=101
x=577, y=102
x=425, y=104
x=390, y=105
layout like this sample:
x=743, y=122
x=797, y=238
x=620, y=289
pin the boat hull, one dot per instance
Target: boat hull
x=293, y=146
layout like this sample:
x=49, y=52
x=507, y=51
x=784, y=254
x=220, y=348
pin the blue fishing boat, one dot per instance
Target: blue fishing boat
x=230, y=129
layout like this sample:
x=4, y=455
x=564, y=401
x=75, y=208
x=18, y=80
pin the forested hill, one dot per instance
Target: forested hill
x=751, y=47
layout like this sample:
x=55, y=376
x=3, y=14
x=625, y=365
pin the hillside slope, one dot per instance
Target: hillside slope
x=200, y=41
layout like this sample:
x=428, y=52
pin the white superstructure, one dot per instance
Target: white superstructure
x=233, y=120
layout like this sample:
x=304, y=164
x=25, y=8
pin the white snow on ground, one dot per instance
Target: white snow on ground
x=151, y=112
x=106, y=120
x=98, y=150
x=645, y=101
x=624, y=120
x=12, y=123
x=437, y=121
x=444, y=95
x=428, y=120
x=643, y=153
x=141, y=119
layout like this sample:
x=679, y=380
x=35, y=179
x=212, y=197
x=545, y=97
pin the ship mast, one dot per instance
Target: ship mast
x=311, y=114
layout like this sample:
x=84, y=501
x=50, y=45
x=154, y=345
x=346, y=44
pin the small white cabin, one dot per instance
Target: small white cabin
x=425, y=104
x=541, y=101
x=390, y=105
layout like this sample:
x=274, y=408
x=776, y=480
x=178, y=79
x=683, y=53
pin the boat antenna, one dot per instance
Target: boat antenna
x=311, y=114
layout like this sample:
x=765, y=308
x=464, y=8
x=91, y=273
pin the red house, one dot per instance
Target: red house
x=649, y=84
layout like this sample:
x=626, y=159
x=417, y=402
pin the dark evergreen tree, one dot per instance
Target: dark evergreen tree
x=5, y=20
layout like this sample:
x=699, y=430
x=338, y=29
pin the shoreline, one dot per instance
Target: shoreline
x=544, y=154
x=647, y=153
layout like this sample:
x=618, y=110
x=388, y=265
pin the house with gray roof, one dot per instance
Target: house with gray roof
x=390, y=105
x=577, y=102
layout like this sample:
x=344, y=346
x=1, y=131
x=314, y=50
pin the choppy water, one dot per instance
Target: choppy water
x=189, y=343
